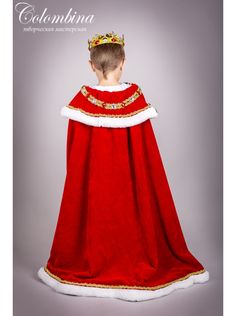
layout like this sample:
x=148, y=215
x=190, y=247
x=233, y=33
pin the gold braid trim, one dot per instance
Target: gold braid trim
x=122, y=286
x=113, y=105
x=108, y=115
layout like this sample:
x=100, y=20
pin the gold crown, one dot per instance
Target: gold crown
x=99, y=39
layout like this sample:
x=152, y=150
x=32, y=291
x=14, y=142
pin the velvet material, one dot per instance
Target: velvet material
x=82, y=103
x=117, y=223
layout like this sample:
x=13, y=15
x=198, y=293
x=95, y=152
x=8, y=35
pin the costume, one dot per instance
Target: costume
x=118, y=234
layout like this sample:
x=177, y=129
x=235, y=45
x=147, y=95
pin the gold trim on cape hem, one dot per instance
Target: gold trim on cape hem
x=152, y=288
x=108, y=115
x=114, y=105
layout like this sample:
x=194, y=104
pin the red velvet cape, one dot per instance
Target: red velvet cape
x=117, y=225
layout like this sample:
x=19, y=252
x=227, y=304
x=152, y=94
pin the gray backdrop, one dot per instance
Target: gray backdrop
x=174, y=52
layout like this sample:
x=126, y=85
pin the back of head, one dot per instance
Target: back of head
x=107, y=57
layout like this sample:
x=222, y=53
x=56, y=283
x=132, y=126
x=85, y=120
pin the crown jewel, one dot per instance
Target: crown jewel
x=99, y=39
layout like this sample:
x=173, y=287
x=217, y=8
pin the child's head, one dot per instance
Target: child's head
x=107, y=59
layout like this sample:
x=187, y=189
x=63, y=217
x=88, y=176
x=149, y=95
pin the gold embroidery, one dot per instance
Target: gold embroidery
x=108, y=115
x=122, y=286
x=114, y=105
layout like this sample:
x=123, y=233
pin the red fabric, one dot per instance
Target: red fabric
x=82, y=102
x=117, y=223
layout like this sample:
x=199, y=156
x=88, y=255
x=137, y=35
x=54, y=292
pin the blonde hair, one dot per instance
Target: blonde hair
x=107, y=57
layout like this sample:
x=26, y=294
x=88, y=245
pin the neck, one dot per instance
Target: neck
x=108, y=82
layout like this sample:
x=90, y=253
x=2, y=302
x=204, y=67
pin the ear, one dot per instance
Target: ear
x=122, y=64
x=91, y=65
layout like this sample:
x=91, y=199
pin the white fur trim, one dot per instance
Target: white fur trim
x=118, y=87
x=105, y=121
x=123, y=294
